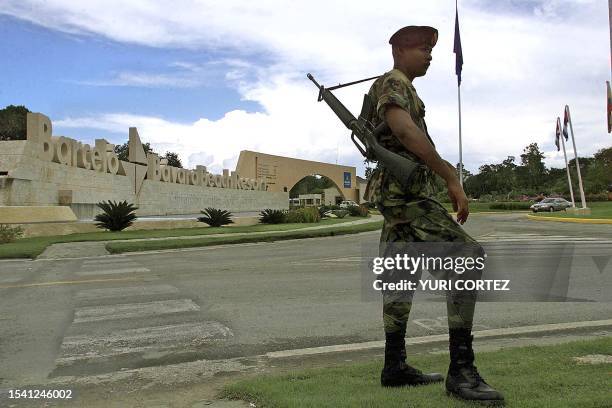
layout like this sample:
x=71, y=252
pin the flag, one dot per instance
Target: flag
x=566, y=118
x=457, y=50
x=558, y=133
x=609, y=107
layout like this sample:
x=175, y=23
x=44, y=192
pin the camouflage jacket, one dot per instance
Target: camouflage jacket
x=394, y=88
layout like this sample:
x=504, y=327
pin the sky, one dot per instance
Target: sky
x=207, y=79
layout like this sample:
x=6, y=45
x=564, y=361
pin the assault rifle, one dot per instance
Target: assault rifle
x=362, y=129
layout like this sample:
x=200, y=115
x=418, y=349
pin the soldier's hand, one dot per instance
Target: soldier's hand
x=459, y=200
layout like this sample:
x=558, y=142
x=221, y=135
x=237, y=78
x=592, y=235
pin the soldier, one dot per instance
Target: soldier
x=414, y=216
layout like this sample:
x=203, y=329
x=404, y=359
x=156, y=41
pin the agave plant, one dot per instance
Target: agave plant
x=269, y=216
x=215, y=217
x=115, y=216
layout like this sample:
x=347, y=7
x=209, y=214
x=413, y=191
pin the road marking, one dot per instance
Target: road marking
x=106, y=293
x=74, y=282
x=114, y=264
x=530, y=237
x=133, y=310
x=439, y=323
x=114, y=271
x=479, y=334
x=115, y=258
x=158, y=338
x=349, y=259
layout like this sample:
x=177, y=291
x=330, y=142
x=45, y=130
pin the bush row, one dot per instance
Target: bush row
x=297, y=215
x=509, y=206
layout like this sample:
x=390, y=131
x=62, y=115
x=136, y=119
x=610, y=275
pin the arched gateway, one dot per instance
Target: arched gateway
x=282, y=173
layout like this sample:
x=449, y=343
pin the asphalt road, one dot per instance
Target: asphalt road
x=100, y=315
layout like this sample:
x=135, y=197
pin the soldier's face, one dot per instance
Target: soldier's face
x=416, y=60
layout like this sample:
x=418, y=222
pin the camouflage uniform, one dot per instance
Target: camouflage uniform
x=411, y=215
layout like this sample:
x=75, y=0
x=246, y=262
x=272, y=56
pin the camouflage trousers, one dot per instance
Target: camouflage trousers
x=424, y=222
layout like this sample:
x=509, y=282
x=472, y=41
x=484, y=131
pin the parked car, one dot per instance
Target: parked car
x=551, y=204
x=347, y=204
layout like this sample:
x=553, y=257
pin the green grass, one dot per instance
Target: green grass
x=32, y=247
x=134, y=246
x=599, y=209
x=536, y=377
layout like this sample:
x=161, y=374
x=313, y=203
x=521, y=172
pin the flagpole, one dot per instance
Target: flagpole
x=458, y=66
x=569, y=178
x=460, y=147
x=610, y=27
x=569, y=117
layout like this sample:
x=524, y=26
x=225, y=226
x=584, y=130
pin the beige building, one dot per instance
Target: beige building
x=282, y=173
x=331, y=196
x=310, y=200
x=361, y=186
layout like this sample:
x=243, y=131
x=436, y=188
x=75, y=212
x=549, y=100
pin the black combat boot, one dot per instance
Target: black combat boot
x=396, y=372
x=463, y=380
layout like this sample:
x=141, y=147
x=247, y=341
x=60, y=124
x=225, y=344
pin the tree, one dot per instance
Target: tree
x=13, y=122
x=598, y=171
x=466, y=172
x=173, y=159
x=311, y=185
x=122, y=150
x=532, y=171
x=368, y=168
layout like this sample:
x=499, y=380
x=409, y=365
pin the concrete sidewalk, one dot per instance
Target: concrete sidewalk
x=98, y=248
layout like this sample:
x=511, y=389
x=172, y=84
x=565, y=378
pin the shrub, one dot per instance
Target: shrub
x=592, y=197
x=303, y=215
x=115, y=216
x=509, y=206
x=295, y=216
x=340, y=213
x=311, y=214
x=358, y=210
x=9, y=234
x=269, y=216
x=215, y=217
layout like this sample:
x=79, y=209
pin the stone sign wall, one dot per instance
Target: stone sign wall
x=56, y=170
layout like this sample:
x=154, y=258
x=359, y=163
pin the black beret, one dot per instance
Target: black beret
x=413, y=36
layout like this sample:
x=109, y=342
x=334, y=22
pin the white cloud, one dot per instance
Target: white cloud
x=141, y=79
x=523, y=61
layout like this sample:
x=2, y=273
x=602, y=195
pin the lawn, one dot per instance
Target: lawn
x=338, y=229
x=599, y=209
x=32, y=247
x=533, y=377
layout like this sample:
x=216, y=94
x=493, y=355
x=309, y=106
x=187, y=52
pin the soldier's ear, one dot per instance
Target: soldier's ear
x=395, y=51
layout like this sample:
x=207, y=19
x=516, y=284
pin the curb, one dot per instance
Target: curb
x=480, y=334
x=494, y=212
x=574, y=220
x=242, y=234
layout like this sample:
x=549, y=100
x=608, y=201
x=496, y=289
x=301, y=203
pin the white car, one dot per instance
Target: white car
x=348, y=203
x=551, y=204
